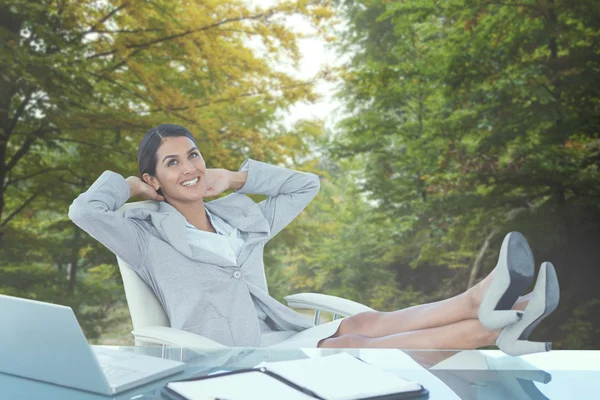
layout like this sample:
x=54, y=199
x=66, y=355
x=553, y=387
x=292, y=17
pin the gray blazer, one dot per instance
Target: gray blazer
x=200, y=291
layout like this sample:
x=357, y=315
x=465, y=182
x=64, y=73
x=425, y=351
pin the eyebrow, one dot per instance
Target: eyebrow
x=176, y=156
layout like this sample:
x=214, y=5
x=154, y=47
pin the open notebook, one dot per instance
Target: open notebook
x=335, y=377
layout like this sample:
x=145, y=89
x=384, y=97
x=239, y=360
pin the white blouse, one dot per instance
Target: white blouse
x=227, y=242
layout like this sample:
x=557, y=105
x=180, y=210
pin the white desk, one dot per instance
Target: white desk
x=447, y=375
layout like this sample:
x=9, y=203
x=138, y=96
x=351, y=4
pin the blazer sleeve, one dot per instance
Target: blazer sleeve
x=289, y=191
x=94, y=211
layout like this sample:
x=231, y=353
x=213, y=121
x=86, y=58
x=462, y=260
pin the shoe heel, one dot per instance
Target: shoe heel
x=551, y=295
x=544, y=300
x=498, y=319
x=520, y=347
x=514, y=273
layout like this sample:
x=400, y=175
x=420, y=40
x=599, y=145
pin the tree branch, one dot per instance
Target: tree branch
x=215, y=25
x=498, y=3
x=240, y=31
x=208, y=103
x=550, y=91
x=122, y=62
x=182, y=34
x=104, y=19
x=25, y=147
x=127, y=31
x=18, y=112
x=20, y=153
x=138, y=95
x=94, y=145
x=22, y=178
x=477, y=264
x=18, y=210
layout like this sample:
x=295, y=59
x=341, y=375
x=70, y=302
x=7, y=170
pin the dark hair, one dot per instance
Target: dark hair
x=146, y=154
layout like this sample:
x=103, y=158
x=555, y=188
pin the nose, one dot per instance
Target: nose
x=188, y=167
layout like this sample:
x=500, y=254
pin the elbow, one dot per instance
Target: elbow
x=316, y=178
x=75, y=213
x=315, y=183
x=79, y=212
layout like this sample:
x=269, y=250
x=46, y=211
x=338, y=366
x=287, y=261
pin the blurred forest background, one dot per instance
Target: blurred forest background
x=463, y=120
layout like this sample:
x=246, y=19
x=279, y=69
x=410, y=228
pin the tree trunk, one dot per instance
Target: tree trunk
x=479, y=259
x=554, y=65
x=11, y=23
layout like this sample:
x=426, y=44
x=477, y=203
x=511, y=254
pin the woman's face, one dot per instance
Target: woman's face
x=180, y=171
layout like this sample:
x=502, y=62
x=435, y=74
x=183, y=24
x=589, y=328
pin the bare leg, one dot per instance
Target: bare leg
x=463, y=335
x=440, y=313
x=462, y=307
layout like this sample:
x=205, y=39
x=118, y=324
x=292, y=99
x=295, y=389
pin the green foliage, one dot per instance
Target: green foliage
x=80, y=84
x=466, y=119
x=474, y=118
x=341, y=246
x=96, y=296
x=579, y=330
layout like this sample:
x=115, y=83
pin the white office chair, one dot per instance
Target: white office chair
x=151, y=325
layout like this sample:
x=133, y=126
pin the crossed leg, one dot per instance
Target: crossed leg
x=446, y=324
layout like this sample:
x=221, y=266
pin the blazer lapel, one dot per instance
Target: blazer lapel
x=169, y=224
x=243, y=213
x=237, y=209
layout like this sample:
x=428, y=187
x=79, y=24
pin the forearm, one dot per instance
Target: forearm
x=288, y=191
x=97, y=206
x=270, y=180
x=133, y=186
x=95, y=211
x=108, y=193
x=237, y=179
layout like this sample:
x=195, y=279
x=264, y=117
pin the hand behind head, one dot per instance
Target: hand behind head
x=141, y=189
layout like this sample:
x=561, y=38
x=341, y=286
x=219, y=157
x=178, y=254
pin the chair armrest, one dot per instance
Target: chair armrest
x=163, y=335
x=327, y=303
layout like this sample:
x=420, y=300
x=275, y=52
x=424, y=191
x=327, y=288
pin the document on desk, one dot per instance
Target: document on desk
x=335, y=377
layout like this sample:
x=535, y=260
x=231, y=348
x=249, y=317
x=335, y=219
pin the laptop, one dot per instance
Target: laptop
x=44, y=341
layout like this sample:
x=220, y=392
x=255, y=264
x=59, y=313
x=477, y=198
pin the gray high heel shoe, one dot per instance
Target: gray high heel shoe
x=514, y=273
x=544, y=300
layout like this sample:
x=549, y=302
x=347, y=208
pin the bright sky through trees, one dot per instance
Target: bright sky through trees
x=316, y=53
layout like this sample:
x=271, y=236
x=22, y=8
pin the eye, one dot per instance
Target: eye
x=195, y=154
x=171, y=163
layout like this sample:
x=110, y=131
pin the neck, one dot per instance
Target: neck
x=195, y=214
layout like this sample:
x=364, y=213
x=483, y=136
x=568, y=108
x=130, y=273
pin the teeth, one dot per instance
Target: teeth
x=189, y=183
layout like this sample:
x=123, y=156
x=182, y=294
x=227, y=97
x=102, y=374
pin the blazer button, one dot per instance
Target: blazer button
x=237, y=275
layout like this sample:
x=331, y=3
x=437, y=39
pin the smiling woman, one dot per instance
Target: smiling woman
x=204, y=260
x=170, y=163
x=154, y=157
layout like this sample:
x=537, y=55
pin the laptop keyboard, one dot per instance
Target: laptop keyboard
x=113, y=373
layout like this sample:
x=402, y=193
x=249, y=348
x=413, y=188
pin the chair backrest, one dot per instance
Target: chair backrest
x=144, y=307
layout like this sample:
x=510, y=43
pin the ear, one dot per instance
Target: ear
x=151, y=180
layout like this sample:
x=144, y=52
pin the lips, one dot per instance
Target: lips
x=190, y=182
